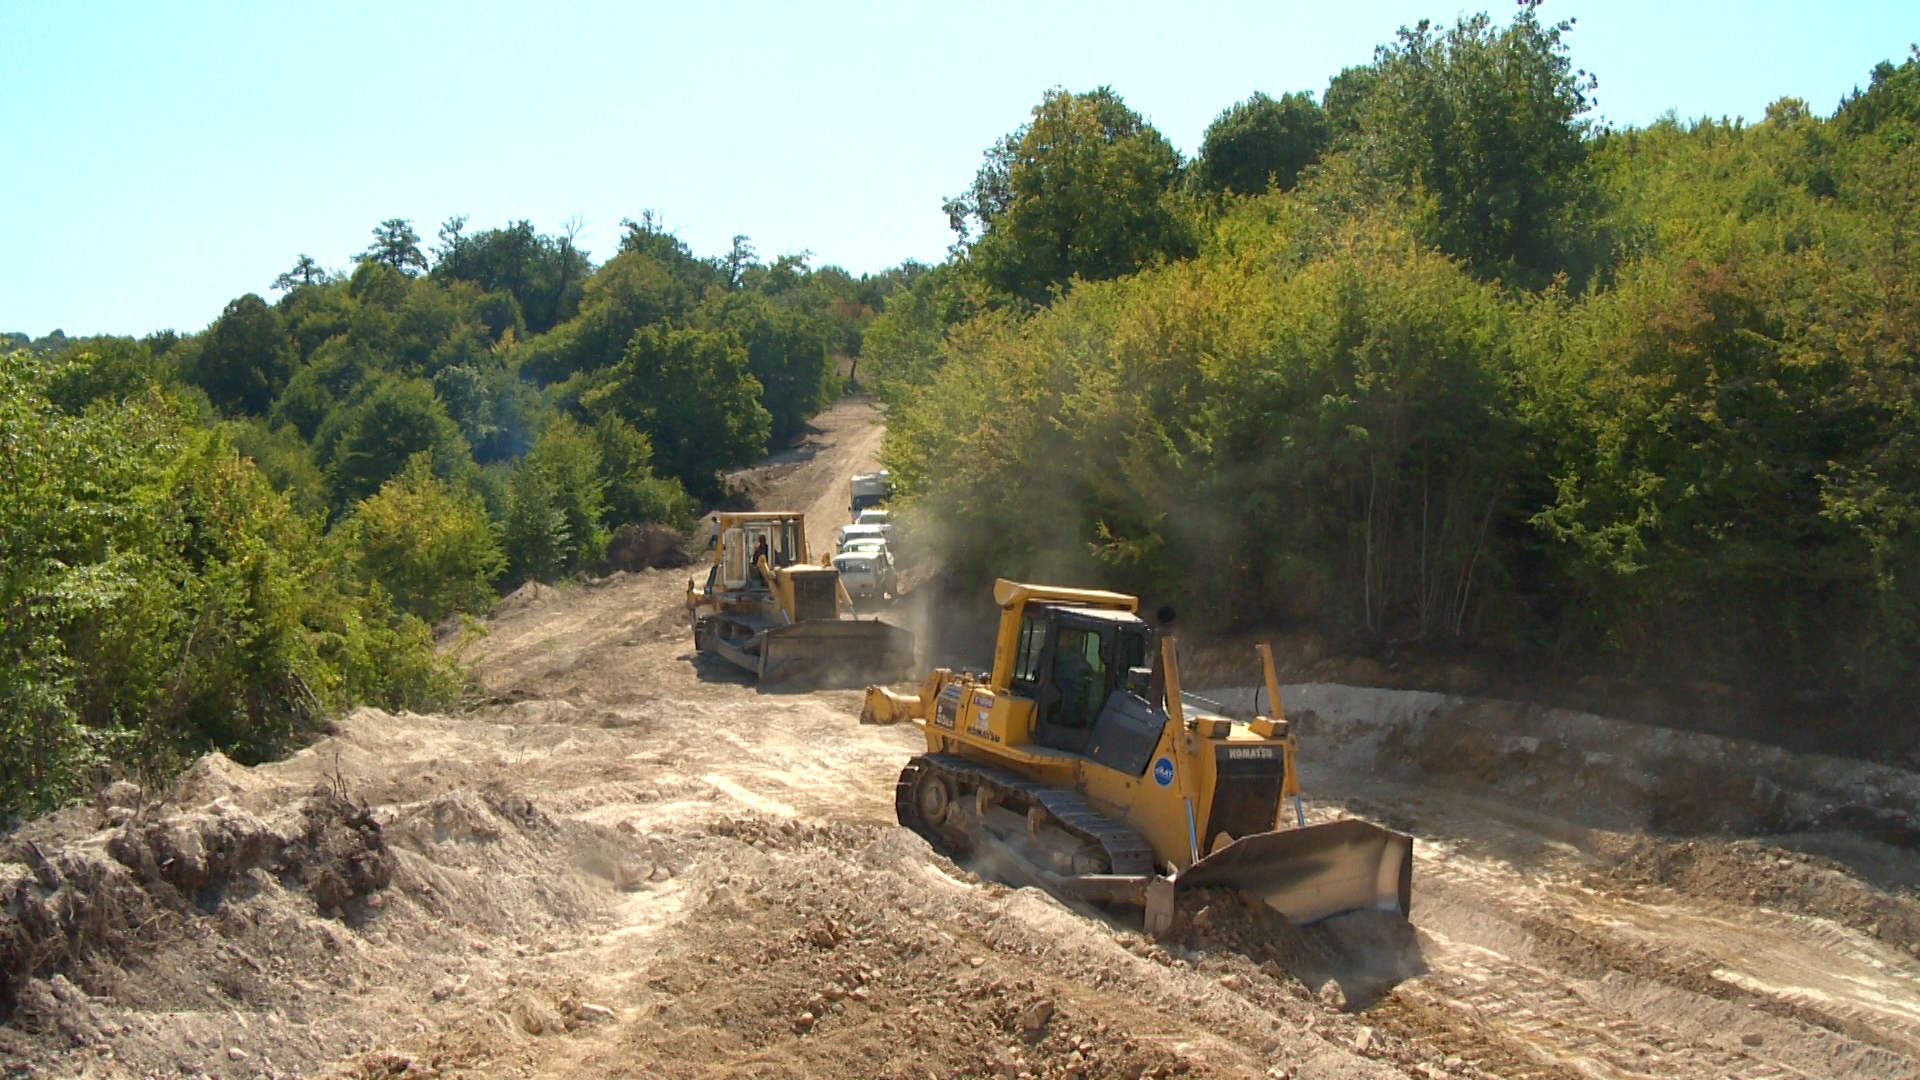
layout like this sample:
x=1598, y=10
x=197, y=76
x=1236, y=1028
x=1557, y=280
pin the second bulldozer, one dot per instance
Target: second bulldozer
x=767, y=609
x=1077, y=766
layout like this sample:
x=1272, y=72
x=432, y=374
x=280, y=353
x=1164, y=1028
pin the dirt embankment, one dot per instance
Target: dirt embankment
x=1799, y=721
x=622, y=862
x=1598, y=770
x=1730, y=882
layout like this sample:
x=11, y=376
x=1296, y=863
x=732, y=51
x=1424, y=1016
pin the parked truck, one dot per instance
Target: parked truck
x=869, y=490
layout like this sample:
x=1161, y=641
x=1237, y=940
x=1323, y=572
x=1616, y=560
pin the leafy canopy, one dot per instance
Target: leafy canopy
x=365, y=445
x=1261, y=142
x=1487, y=122
x=693, y=394
x=1638, y=399
x=245, y=358
x=1085, y=188
x=431, y=547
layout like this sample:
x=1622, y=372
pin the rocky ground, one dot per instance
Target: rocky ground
x=620, y=861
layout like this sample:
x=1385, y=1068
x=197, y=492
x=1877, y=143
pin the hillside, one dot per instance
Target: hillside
x=353, y=724
x=624, y=862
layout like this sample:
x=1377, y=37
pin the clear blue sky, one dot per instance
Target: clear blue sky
x=164, y=158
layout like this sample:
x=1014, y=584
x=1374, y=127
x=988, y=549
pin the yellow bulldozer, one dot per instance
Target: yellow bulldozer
x=765, y=608
x=1076, y=765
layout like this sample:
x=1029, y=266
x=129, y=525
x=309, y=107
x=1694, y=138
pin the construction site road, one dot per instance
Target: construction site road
x=622, y=861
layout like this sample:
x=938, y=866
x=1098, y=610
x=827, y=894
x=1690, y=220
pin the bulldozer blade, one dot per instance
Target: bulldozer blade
x=1313, y=873
x=836, y=652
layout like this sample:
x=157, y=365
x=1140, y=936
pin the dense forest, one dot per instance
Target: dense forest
x=214, y=540
x=1428, y=356
x=1436, y=357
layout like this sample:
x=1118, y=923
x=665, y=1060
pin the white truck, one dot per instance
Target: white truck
x=869, y=490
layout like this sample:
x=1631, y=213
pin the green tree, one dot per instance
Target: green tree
x=245, y=357
x=693, y=394
x=653, y=279
x=1346, y=98
x=114, y=369
x=1733, y=485
x=736, y=261
x=378, y=286
x=363, y=446
x=498, y=412
x=305, y=403
x=555, y=504
x=1086, y=188
x=1487, y=121
x=634, y=493
x=395, y=245
x=286, y=460
x=430, y=547
x=902, y=346
x=305, y=272
x=158, y=599
x=787, y=353
x=545, y=275
x=1891, y=100
x=1260, y=143
x=1325, y=440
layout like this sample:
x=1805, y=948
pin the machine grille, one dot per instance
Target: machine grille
x=1246, y=790
x=815, y=596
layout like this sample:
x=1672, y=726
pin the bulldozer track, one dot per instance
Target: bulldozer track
x=1127, y=851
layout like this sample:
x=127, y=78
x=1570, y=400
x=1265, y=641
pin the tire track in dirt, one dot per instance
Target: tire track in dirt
x=1532, y=954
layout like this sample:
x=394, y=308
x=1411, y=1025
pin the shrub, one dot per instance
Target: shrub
x=554, y=505
x=159, y=599
x=634, y=493
x=432, y=548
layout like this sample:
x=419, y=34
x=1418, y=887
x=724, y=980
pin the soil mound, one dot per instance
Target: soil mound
x=527, y=596
x=1350, y=960
x=646, y=547
x=116, y=891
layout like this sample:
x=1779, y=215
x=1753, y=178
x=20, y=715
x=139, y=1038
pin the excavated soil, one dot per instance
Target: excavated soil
x=624, y=862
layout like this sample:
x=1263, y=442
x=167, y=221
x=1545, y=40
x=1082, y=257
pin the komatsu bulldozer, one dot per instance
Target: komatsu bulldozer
x=1077, y=765
x=767, y=609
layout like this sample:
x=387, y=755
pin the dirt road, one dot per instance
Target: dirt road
x=622, y=862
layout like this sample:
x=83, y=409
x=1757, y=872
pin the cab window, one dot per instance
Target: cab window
x=734, y=550
x=788, y=550
x=1080, y=674
x=1026, y=659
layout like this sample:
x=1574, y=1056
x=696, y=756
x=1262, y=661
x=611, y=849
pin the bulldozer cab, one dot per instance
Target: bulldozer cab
x=1069, y=662
x=744, y=538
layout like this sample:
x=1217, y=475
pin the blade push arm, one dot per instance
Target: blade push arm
x=1183, y=779
x=1290, y=783
x=883, y=706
